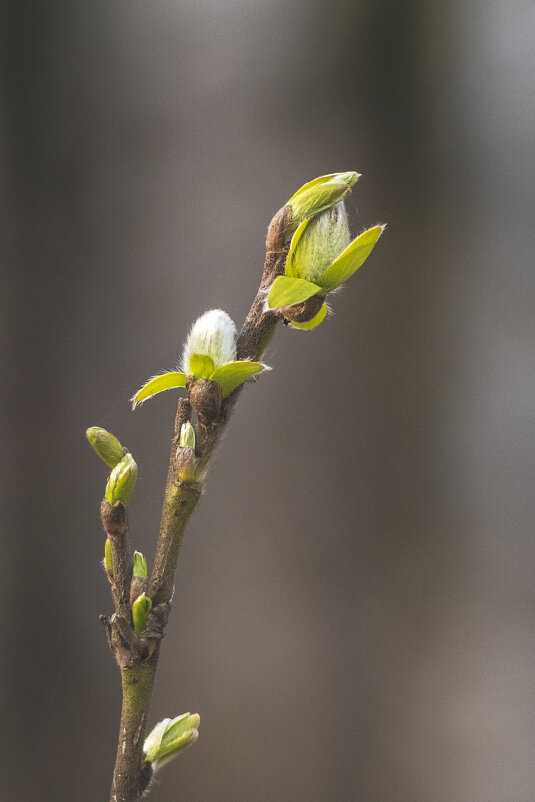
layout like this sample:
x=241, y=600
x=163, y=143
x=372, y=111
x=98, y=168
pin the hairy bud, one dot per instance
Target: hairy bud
x=212, y=335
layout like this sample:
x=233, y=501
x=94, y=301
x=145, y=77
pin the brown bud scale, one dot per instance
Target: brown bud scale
x=138, y=586
x=205, y=397
x=305, y=311
x=114, y=518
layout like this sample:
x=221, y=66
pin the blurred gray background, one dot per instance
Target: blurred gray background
x=355, y=598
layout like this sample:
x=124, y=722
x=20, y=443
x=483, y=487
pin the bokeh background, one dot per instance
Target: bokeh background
x=355, y=601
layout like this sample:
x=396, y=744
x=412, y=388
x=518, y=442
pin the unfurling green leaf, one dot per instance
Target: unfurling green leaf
x=311, y=324
x=140, y=613
x=166, y=381
x=347, y=179
x=201, y=366
x=233, y=374
x=288, y=291
x=320, y=194
x=351, y=259
x=105, y=445
x=169, y=737
x=140, y=567
x=122, y=481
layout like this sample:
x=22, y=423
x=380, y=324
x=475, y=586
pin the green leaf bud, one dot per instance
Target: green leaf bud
x=139, y=576
x=140, y=613
x=187, y=435
x=105, y=445
x=122, y=481
x=108, y=558
x=170, y=737
x=188, y=469
x=320, y=194
x=140, y=565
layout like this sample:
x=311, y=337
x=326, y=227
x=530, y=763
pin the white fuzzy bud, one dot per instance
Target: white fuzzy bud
x=213, y=335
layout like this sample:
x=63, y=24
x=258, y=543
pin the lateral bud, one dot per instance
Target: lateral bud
x=170, y=737
x=187, y=436
x=187, y=463
x=139, y=576
x=122, y=481
x=139, y=567
x=105, y=445
x=140, y=613
x=108, y=559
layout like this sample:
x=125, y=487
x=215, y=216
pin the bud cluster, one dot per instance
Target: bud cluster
x=321, y=257
x=210, y=370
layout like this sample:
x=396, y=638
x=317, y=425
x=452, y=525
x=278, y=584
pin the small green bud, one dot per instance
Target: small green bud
x=108, y=558
x=122, y=481
x=169, y=737
x=140, y=613
x=187, y=435
x=138, y=584
x=140, y=565
x=105, y=445
x=186, y=461
x=320, y=194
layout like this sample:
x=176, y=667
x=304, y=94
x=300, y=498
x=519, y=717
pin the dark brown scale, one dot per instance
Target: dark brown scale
x=205, y=397
x=305, y=311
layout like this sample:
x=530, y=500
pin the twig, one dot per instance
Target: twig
x=138, y=657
